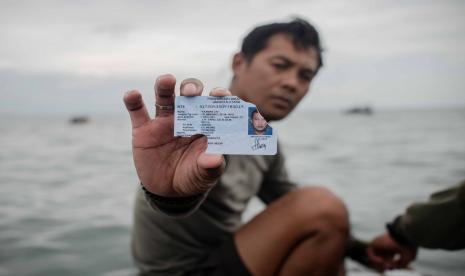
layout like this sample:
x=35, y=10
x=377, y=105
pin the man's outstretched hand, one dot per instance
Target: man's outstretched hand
x=167, y=165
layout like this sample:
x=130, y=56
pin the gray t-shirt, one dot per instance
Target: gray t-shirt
x=170, y=246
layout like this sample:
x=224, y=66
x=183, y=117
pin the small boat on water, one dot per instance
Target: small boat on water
x=79, y=120
x=362, y=110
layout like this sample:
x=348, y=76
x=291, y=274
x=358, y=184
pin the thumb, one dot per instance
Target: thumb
x=211, y=166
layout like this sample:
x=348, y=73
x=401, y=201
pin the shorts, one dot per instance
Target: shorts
x=222, y=261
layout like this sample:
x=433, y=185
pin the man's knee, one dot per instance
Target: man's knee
x=318, y=207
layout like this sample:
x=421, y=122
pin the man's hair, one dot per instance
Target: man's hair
x=302, y=33
x=253, y=112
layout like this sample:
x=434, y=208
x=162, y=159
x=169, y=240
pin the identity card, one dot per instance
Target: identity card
x=231, y=125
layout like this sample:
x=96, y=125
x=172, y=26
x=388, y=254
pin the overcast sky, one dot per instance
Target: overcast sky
x=80, y=56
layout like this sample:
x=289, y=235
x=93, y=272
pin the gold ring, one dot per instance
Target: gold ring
x=164, y=107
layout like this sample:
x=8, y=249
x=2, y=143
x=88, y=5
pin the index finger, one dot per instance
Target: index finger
x=164, y=94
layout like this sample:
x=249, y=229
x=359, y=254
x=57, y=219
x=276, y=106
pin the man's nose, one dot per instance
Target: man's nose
x=290, y=81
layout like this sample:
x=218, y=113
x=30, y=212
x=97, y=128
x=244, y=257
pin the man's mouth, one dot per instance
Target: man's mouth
x=282, y=102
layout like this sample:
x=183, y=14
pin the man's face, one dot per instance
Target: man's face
x=259, y=123
x=277, y=78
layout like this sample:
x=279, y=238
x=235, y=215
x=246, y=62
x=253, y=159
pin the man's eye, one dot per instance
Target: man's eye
x=279, y=65
x=306, y=77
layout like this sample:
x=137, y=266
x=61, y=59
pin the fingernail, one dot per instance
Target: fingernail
x=190, y=88
x=128, y=92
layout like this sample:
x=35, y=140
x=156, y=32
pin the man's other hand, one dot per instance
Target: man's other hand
x=385, y=253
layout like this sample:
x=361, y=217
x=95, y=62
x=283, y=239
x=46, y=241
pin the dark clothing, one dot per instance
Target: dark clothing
x=225, y=261
x=167, y=245
x=438, y=223
x=222, y=261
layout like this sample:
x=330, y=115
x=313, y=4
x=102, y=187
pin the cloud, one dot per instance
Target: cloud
x=406, y=47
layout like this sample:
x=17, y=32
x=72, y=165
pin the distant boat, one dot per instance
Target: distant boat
x=362, y=110
x=79, y=120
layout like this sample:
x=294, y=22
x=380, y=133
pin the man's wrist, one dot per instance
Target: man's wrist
x=355, y=248
x=172, y=206
x=394, y=230
x=357, y=251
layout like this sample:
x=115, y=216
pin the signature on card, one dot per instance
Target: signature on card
x=257, y=145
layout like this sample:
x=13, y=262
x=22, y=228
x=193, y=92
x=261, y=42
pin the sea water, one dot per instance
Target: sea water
x=67, y=191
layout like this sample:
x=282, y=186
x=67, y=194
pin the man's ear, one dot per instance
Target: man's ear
x=238, y=63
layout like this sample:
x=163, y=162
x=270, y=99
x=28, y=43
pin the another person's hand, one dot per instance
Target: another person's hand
x=167, y=165
x=385, y=253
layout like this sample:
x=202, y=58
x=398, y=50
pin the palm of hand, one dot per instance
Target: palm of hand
x=167, y=165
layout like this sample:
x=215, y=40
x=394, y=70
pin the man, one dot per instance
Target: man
x=188, y=216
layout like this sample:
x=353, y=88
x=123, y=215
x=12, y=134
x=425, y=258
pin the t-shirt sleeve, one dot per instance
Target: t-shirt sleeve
x=276, y=181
